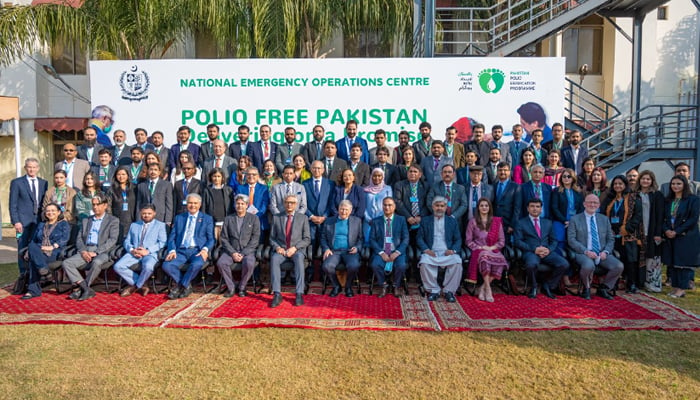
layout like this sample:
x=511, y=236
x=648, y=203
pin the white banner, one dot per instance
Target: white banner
x=393, y=94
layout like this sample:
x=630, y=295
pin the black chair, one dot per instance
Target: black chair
x=238, y=267
x=288, y=265
x=341, y=267
x=597, y=273
x=389, y=279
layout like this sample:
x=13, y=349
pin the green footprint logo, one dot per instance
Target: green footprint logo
x=491, y=80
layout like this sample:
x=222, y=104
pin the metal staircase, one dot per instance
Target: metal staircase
x=585, y=111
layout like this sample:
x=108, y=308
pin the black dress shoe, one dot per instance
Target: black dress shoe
x=450, y=297
x=229, y=294
x=548, y=292
x=603, y=292
x=349, y=292
x=433, y=296
x=532, y=293
x=174, y=293
x=28, y=296
x=242, y=293
x=276, y=300
x=395, y=292
x=586, y=293
x=185, y=292
x=87, y=294
x=75, y=295
x=335, y=292
x=385, y=289
x=299, y=301
x=632, y=289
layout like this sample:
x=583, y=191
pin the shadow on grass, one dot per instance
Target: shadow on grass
x=8, y=273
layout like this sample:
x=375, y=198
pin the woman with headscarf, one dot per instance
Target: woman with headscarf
x=375, y=194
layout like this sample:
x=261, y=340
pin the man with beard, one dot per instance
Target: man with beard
x=242, y=147
x=422, y=147
x=380, y=139
x=121, y=150
x=136, y=164
x=287, y=151
x=517, y=146
x=207, y=148
x=496, y=143
x=89, y=150
x=183, y=143
x=141, y=137
x=397, y=154
x=453, y=149
x=572, y=156
x=478, y=144
x=558, y=141
x=264, y=149
x=360, y=169
x=313, y=150
x=432, y=165
x=160, y=149
x=345, y=144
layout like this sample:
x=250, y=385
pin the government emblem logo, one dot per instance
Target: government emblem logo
x=134, y=84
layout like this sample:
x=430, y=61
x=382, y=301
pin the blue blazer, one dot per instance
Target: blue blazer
x=203, y=232
x=399, y=234
x=60, y=234
x=174, y=155
x=261, y=200
x=509, y=205
x=560, y=205
x=526, y=238
x=22, y=201
x=356, y=196
x=426, y=235
x=567, y=158
x=343, y=147
x=155, y=239
x=319, y=205
x=528, y=192
x=255, y=151
x=234, y=150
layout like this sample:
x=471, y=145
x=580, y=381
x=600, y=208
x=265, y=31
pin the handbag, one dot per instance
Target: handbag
x=21, y=284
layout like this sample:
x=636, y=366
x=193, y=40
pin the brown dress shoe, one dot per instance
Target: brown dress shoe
x=144, y=290
x=128, y=291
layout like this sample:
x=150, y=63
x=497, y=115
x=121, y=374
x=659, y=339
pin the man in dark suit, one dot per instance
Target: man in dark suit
x=313, y=150
x=162, y=151
x=287, y=151
x=121, y=150
x=432, y=164
x=491, y=168
x=141, y=136
x=26, y=199
x=534, y=236
x=508, y=200
x=455, y=194
x=319, y=194
x=478, y=144
x=592, y=240
x=535, y=188
x=341, y=239
x=410, y=196
x=184, y=187
x=558, y=141
x=158, y=192
x=264, y=149
x=476, y=189
x=517, y=145
x=98, y=236
x=219, y=159
x=334, y=165
x=391, y=173
x=206, y=150
x=89, y=150
x=240, y=236
x=183, y=143
x=389, y=241
x=104, y=169
x=438, y=238
x=572, y=156
x=462, y=174
x=496, y=143
x=421, y=148
x=75, y=168
x=190, y=242
x=359, y=168
x=243, y=147
x=135, y=164
x=258, y=198
x=345, y=144
x=288, y=240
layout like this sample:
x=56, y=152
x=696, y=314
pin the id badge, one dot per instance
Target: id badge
x=106, y=183
x=125, y=206
x=614, y=220
x=184, y=202
x=389, y=240
x=288, y=162
x=63, y=208
x=473, y=204
x=414, y=199
x=449, y=204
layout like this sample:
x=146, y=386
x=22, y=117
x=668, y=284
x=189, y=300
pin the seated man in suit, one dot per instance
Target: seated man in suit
x=534, y=236
x=190, y=241
x=591, y=238
x=142, y=244
x=98, y=236
x=288, y=240
x=341, y=239
x=239, y=239
x=438, y=237
x=389, y=241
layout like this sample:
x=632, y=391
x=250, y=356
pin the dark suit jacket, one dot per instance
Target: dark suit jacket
x=208, y=199
x=550, y=145
x=485, y=191
x=399, y=234
x=174, y=154
x=243, y=241
x=162, y=198
x=356, y=196
x=234, y=150
x=195, y=186
x=526, y=238
x=430, y=173
x=402, y=196
x=462, y=176
x=164, y=157
x=319, y=205
x=311, y=153
x=391, y=173
x=22, y=202
x=203, y=232
x=301, y=233
x=337, y=168
x=362, y=174
x=420, y=150
x=109, y=174
x=528, y=192
x=515, y=153
x=261, y=199
x=683, y=249
x=560, y=205
x=82, y=154
x=355, y=237
x=567, y=158
x=509, y=205
x=426, y=236
x=491, y=176
x=125, y=153
x=228, y=164
x=543, y=155
x=458, y=199
x=59, y=235
x=482, y=150
x=106, y=238
x=206, y=151
x=344, y=149
x=258, y=156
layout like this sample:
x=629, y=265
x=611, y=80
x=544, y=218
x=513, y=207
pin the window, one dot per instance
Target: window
x=662, y=13
x=68, y=58
x=583, y=45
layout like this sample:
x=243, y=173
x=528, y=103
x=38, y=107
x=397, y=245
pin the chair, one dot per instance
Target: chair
x=288, y=265
x=464, y=254
x=517, y=260
x=237, y=267
x=597, y=273
x=340, y=267
x=404, y=283
x=152, y=279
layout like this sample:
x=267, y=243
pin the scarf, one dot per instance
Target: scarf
x=372, y=188
x=491, y=239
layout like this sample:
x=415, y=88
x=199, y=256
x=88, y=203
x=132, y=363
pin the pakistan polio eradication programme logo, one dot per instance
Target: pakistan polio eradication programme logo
x=134, y=84
x=491, y=80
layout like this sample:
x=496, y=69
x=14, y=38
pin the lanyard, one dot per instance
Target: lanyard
x=59, y=195
x=617, y=205
x=674, y=207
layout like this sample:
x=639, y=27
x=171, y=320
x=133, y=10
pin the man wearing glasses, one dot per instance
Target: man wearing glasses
x=75, y=168
x=102, y=120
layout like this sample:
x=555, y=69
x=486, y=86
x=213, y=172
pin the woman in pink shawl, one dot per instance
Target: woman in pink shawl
x=485, y=239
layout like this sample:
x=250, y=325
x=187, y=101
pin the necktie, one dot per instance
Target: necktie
x=499, y=191
x=352, y=141
x=184, y=187
x=436, y=162
x=448, y=192
x=329, y=164
x=288, y=231
x=318, y=151
x=143, y=234
x=267, y=150
x=387, y=234
x=35, y=196
x=289, y=189
x=595, y=240
x=538, y=191
x=517, y=146
x=251, y=192
x=537, y=227
x=151, y=189
x=188, y=240
x=218, y=162
x=475, y=194
x=415, y=208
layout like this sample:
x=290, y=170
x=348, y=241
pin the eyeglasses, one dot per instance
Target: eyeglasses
x=566, y=176
x=68, y=150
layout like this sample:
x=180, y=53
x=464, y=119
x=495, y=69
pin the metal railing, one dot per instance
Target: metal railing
x=482, y=30
x=653, y=127
x=586, y=109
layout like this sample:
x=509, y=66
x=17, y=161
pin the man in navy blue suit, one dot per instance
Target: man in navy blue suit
x=319, y=193
x=508, y=199
x=263, y=150
x=345, y=144
x=536, y=189
x=534, y=236
x=258, y=198
x=190, y=241
x=572, y=156
x=26, y=197
x=183, y=143
x=243, y=147
x=389, y=241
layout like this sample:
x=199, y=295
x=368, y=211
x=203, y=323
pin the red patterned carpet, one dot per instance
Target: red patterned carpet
x=360, y=312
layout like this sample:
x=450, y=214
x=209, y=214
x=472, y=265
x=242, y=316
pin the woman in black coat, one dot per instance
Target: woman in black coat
x=682, y=250
x=216, y=199
x=122, y=194
x=567, y=201
x=652, y=223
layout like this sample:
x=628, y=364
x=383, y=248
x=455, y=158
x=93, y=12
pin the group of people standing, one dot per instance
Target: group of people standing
x=178, y=204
